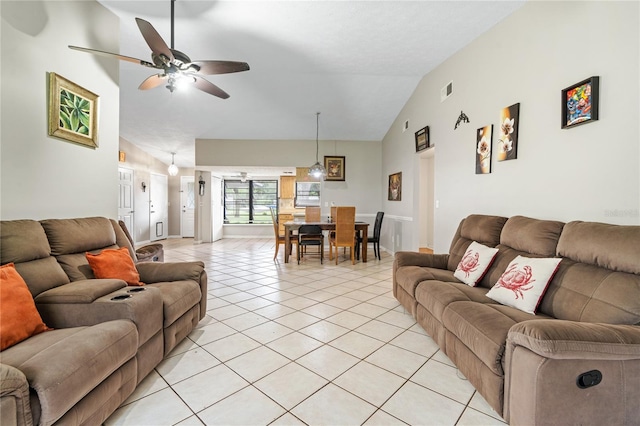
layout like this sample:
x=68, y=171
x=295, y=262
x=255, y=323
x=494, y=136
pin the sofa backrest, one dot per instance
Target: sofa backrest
x=523, y=236
x=483, y=229
x=25, y=243
x=70, y=239
x=599, y=277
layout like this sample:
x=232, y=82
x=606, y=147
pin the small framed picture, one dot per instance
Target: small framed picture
x=422, y=139
x=395, y=187
x=580, y=102
x=334, y=166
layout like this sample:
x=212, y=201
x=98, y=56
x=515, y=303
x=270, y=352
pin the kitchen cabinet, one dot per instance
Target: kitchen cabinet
x=282, y=218
x=287, y=187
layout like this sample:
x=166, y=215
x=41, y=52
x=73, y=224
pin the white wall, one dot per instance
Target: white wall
x=41, y=176
x=590, y=172
x=362, y=165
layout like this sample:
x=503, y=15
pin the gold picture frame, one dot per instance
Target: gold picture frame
x=73, y=112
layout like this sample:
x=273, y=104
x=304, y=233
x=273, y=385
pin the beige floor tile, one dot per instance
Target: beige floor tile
x=198, y=393
x=342, y=302
x=328, y=362
x=445, y=380
x=324, y=331
x=380, y=330
x=399, y=319
x=471, y=417
x=238, y=297
x=161, y=408
x=357, y=344
x=370, y=383
x=267, y=332
x=231, y=346
x=299, y=302
x=211, y=333
x=396, y=360
x=333, y=406
x=414, y=404
x=297, y=320
x=245, y=321
x=480, y=404
x=349, y=319
x=321, y=310
x=274, y=311
x=257, y=363
x=150, y=384
x=191, y=421
x=288, y=419
x=185, y=365
x=380, y=418
x=226, y=312
x=441, y=357
x=294, y=345
x=255, y=303
x=420, y=344
x=368, y=310
x=290, y=385
x=246, y=407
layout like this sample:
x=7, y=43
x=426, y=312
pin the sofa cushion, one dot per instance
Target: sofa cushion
x=115, y=264
x=20, y=318
x=534, y=236
x=475, y=263
x=523, y=283
x=178, y=297
x=64, y=365
x=68, y=236
x=408, y=277
x=435, y=296
x=481, y=228
x=483, y=328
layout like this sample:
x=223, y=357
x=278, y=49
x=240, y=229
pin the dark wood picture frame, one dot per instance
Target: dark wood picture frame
x=335, y=167
x=580, y=102
x=395, y=187
x=422, y=139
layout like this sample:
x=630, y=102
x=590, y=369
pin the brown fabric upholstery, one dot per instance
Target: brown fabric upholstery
x=68, y=236
x=480, y=228
x=533, y=236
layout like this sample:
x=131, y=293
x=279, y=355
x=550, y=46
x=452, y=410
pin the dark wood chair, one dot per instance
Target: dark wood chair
x=377, y=226
x=310, y=235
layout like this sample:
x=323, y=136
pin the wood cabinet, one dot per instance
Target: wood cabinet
x=282, y=218
x=287, y=187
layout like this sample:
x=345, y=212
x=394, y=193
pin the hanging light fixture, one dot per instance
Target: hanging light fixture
x=317, y=170
x=173, y=169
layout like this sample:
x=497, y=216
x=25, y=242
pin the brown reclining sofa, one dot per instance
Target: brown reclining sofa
x=106, y=336
x=577, y=360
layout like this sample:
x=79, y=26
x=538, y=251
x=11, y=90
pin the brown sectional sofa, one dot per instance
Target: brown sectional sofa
x=107, y=336
x=530, y=368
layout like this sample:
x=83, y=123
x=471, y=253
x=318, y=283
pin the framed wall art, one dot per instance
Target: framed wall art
x=483, y=150
x=73, y=112
x=580, y=102
x=422, y=139
x=395, y=187
x=509, y=124
x=335, y=167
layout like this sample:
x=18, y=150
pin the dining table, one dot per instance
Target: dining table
x=289, y=227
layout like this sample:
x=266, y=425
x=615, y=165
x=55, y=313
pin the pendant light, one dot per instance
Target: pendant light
x=317, y=170
x=173, y=169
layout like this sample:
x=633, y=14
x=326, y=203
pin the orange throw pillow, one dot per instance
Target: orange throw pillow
x=114, y=263
x=19, y=318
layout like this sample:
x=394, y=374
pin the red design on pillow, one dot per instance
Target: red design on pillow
x=469, y=262
x=515, y=279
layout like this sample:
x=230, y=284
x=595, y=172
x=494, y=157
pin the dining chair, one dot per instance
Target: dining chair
x=312, y=214
x=345, y=233
x=377, y=226
x=310, y=235
x=280, y=239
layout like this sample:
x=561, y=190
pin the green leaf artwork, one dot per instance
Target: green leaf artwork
x=74, y=112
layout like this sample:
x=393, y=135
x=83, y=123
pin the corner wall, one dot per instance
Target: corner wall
x=590, y=172
x=41, y=176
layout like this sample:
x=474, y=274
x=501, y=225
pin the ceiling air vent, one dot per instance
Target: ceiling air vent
x=446, y=91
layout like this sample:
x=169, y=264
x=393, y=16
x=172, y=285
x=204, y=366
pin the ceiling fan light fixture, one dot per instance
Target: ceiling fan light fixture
x=173, y=169
x=317, y=170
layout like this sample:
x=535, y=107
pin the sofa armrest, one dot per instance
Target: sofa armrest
x=14, y=397
x=557, y=339
x=83, y=291
x=411, y=258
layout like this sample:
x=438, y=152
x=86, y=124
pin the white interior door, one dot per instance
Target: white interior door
x=158, y=207
x=125, y=198
x=217, y=214
x=187, y=206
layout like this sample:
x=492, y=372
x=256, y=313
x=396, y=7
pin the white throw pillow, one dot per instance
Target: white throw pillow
x=475, y=263
x=524, y=282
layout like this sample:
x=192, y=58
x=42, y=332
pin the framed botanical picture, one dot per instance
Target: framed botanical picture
x=508, y=141
x=395, y=187
x=422, y=139
x=483, y=150
x=580, y=102
x=73, y=112
x=334, y=167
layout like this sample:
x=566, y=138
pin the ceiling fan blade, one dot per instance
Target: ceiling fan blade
x=113, y=55
x=153, y=82
x=220, y=67
x=207, y=86
x=153, y=39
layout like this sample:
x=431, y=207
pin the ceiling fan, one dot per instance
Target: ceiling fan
x=177, y=68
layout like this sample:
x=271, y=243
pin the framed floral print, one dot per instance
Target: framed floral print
x=580, y=103
x=73, y=112
x=334, y=165
x=508, y=141
x=483, y=150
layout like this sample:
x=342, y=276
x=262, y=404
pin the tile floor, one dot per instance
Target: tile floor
x=289, y=344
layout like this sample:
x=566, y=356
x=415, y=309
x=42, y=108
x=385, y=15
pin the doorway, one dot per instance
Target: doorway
x=188, y=206
x=158, y=207
x=125, y=198
x=427, y=199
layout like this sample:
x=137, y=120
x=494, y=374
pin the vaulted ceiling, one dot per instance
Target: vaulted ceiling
x=357, y=62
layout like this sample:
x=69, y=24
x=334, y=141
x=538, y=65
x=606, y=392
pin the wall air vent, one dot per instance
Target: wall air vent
x=405, y=126
x=446, y=91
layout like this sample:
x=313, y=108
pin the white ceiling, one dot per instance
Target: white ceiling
x=357, y=62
